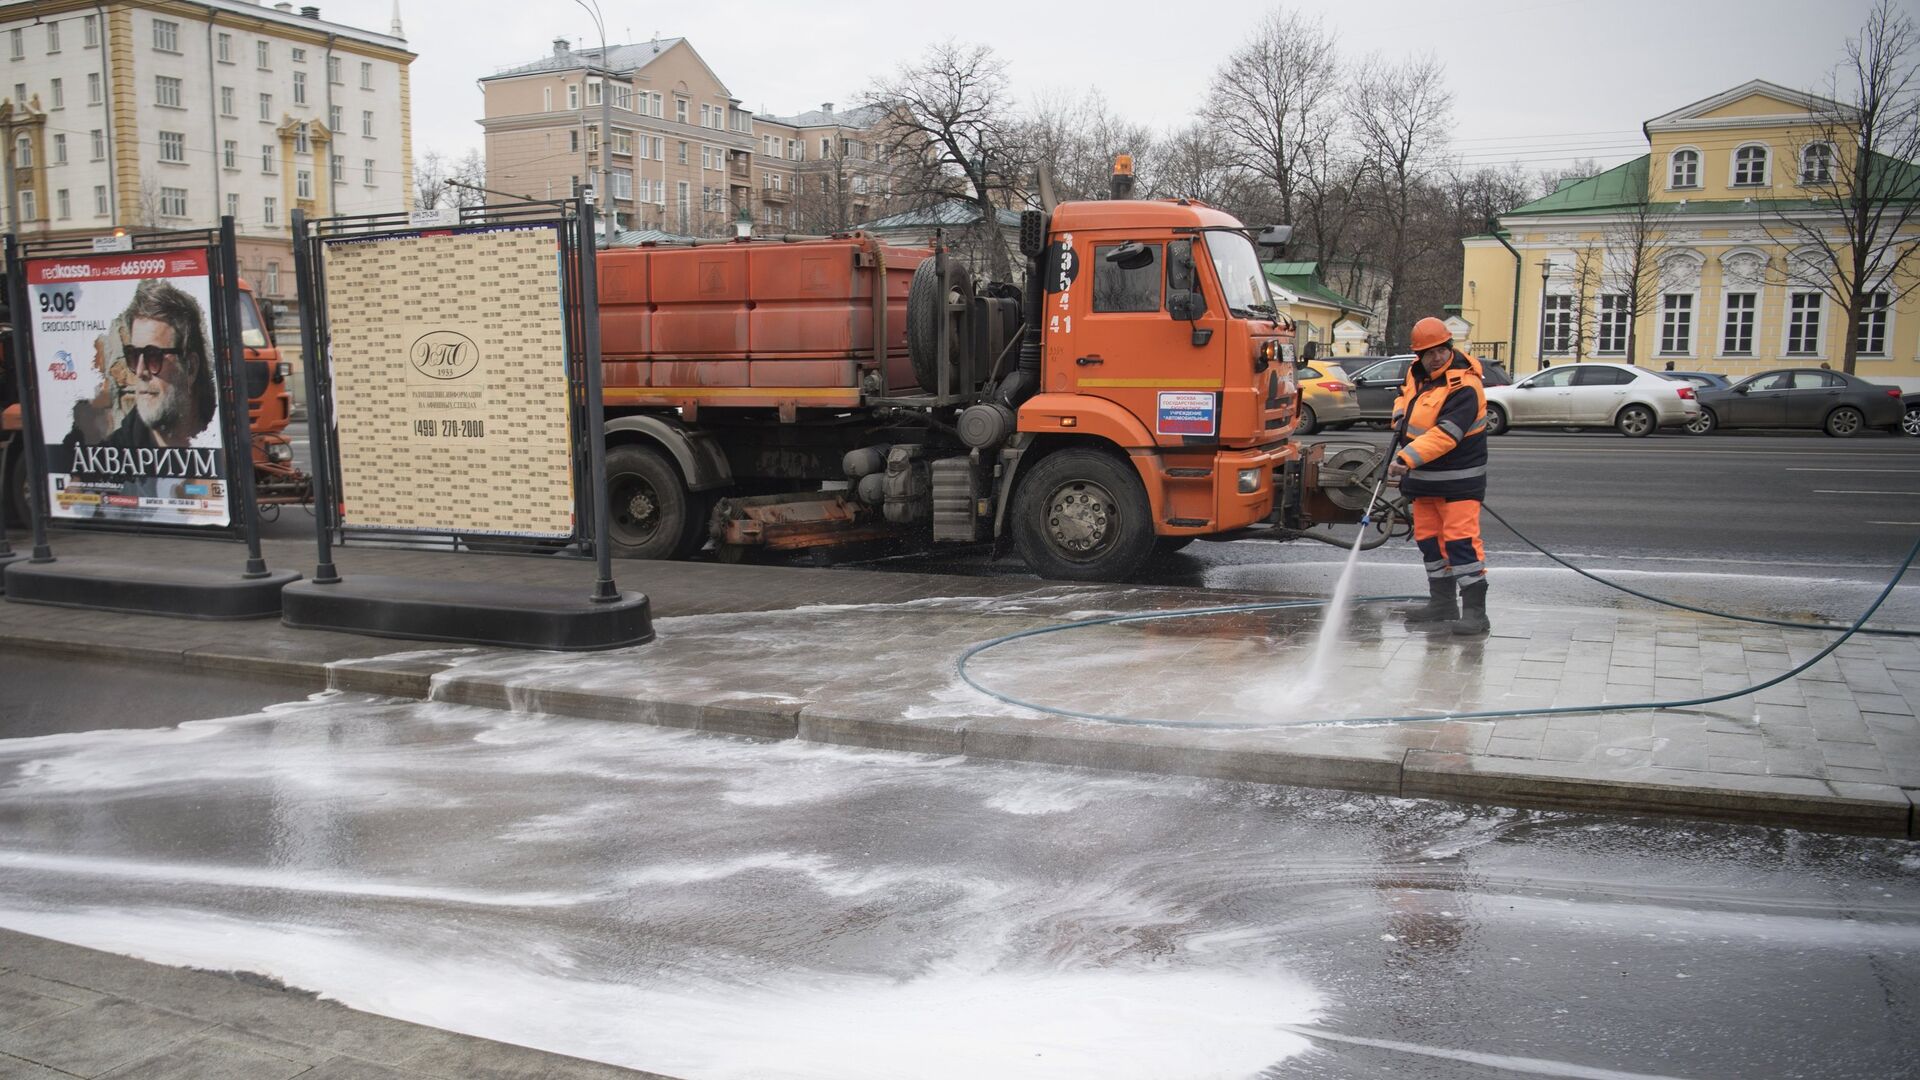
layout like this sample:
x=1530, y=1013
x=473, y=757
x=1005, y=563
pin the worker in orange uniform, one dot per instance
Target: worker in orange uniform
x=1441, y=464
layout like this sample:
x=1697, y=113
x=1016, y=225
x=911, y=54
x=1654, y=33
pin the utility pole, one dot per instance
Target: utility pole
x=605, y=190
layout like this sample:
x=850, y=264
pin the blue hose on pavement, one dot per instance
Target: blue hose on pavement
x=1485, y=714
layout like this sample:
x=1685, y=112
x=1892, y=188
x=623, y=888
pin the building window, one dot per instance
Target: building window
x=622, y=184
x=91, y=26
x=23, y=152
x=166, y=91
x=59, y=94
x=1803, y=323
x=173, y=202
x=546, y=99
x=573, y=140
x=166, y=35
x=623, y=142
x=366, y=76
x=269, y=209
x=826, y=149
x=59, y=149
x=706, y=157
x=299, y=88
x=656, y=101
x=1872, y=340
x=683, y=153
x=230, y=154
x=1737, y=337
x=366, y=122
x=680, y=109
x=233, y=204
x=303, y=184
x=796, y=150
x=100, y=200
x=336, y=118
x=859, y=185
x=573, y=95
x=53, y=44
x=99, y=139
x=301, y=145
x=1750, y=166
x=368, y=179
x=266, y=107
x=226, y=101
x=93, y=88
x=338, y=168
x=333, y=70
x=1556, y=323
x=63, y=206
x=273, y=279
x=298, y=55
x=262, y=56
x=623, y=96
x=18, y=45
x=1816, y=164
x=266, y=159
x=29, y=206
x=1676, y=324
x=1610, y=329
x=223, y=45
x=173, y=147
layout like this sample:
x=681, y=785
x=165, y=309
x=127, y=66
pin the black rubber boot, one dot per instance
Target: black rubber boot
x=1441, y=605
x=1473, y=617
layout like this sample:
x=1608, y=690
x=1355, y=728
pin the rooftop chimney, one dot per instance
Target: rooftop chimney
x=283, y=5
x=826, y=107
x=560, y=46
x=310, y=12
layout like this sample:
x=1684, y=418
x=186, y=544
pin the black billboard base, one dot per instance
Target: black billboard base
x=470, y=613
x=146, y=588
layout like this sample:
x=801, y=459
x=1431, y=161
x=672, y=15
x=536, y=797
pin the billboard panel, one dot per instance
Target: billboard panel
x=125, y=374
x=449, y=362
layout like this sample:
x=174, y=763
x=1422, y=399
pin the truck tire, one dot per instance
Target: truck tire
x=1082, y=515
x=651, y=514
x=926, y=320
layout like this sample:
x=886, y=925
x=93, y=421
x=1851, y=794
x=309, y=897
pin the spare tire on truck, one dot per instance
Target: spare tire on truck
x=927, y=319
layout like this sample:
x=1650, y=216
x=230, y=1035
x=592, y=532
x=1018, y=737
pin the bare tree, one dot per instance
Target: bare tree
x=1276, y=100
x=1190, y=163
x=1858, y=164
x=1631, y=268
x=1401, y=114
x=1587, y=275
x=953, y=118
x=1076, y=140
x=432, y=171
x=1552, y=180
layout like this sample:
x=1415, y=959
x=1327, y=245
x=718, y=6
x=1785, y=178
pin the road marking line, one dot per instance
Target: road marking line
x=1893, y=522
x=1857, y=491
x=1903, y=471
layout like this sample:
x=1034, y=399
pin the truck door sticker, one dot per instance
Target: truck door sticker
x=1184, y=412
x=1058, y=272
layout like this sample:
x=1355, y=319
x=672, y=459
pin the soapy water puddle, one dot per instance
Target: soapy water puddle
x=708, y=907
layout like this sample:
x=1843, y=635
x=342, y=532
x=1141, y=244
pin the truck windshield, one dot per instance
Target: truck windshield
x=252, y=334
x=1239, y=271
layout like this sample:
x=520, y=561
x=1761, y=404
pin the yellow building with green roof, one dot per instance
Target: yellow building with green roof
x=1731, y=221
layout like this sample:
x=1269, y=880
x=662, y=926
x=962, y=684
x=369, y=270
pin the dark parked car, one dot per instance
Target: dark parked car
x=1377, y=381
x=1700, y=380
x=1910, y=423
x=1839, y=404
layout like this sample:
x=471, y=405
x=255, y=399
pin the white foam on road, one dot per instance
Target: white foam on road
x=949, y=1023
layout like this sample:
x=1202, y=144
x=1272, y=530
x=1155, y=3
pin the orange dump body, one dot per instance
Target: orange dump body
x=752, y=324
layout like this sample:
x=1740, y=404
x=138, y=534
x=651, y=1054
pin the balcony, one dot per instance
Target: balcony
x=776, y=194
x=739, y=168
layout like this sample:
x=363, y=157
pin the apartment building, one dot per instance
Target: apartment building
x=157, y=114
x=684, y=158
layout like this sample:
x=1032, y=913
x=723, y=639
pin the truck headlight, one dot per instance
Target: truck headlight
x=279, y=451
x=1250, y=480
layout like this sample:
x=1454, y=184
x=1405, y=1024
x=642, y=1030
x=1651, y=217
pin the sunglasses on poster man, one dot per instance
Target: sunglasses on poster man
x=152, y=356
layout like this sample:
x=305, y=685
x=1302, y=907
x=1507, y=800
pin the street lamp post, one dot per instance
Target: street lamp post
x=605, y=191
x=1546, y=272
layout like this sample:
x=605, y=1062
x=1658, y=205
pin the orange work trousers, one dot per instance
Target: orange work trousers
x=1448, y=532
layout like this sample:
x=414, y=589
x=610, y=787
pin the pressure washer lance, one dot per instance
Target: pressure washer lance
x=1386, y=465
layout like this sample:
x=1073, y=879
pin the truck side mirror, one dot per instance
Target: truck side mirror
x=1185, y=305
x=1275, y=235
x=1132, y=255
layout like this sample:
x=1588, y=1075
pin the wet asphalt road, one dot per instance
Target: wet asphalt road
x=713, y=908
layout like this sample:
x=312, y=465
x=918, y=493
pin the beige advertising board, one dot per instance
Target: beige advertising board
x=450, y=382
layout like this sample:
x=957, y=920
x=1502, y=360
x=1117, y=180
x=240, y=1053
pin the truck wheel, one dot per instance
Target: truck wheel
x=1082, y=515
x=927, y=320
x=651, y=515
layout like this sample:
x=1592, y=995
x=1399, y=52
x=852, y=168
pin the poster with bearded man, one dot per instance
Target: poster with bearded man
x=129, y=406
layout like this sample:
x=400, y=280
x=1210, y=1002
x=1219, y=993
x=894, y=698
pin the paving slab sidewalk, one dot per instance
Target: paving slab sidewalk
x=867, y=659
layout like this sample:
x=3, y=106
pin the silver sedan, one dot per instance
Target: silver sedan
x=1633, y=401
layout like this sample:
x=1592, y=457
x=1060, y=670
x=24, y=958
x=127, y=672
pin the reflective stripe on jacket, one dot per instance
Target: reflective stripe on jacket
x=1445, y=447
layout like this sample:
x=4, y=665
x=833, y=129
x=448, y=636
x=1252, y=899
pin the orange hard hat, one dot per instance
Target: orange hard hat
x=1429, y=332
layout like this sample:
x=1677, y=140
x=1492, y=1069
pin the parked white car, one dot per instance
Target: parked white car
x=1631, y=400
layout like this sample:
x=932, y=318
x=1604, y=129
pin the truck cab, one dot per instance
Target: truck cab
x=1163, y=352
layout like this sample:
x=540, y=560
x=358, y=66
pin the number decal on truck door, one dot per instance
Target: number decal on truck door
x=1059, y=271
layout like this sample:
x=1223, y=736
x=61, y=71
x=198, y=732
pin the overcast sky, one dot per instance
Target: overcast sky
x=1542, y=83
